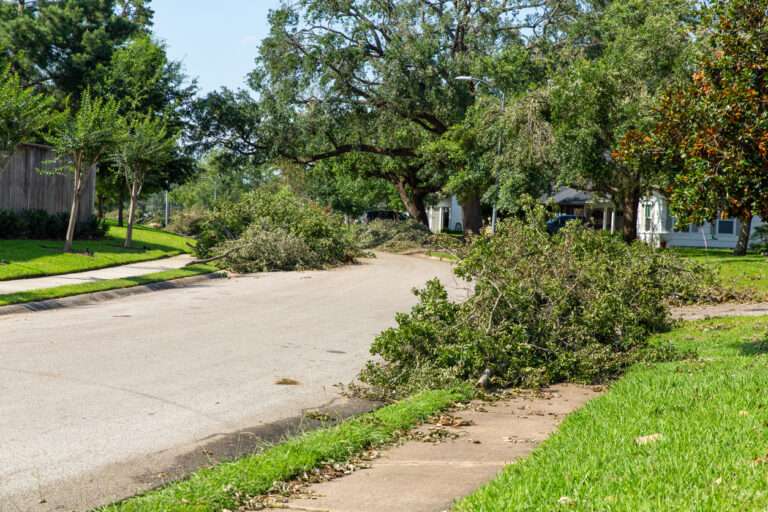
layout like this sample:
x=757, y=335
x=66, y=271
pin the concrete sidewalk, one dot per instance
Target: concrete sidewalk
x=422, y=476
x=119, y=272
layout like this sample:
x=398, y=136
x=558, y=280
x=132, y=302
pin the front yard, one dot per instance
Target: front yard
x=35, y=258
x=679, y=436
x=748, y=272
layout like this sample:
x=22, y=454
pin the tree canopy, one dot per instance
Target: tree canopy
x=24, y=114
x=713, y=125
x=144, y=146
x=638, y=47
x=60, y=45
x=81, y=140
x=378, y=78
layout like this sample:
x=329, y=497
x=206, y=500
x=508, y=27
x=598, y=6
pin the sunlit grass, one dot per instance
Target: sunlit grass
x=712, y=417
x=749, y=272
x=226, y=486
x=35, y=258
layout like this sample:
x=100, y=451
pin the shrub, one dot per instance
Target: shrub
x=300, y=233
x=760, y=238
x=576, y=306
x=41, y=225
x=187, y=222
x=392, y=235
x=263, y=249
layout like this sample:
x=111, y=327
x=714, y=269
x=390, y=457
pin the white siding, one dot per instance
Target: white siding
x=455, y=215
x=656, y=227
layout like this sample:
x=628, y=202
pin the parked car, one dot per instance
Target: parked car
x=556, y=224
x=371, y=215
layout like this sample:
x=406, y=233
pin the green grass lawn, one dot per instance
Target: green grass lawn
x=227, y=486
x=749, y=272
x=443, y=255
x=711, y=413
x=35, y=258
x=59, y=292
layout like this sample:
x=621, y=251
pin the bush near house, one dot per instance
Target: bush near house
x=187, y=222
x=274, y=229
x=41, y=225
x=576, y=306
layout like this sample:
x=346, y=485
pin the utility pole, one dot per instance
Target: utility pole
x=167, y=210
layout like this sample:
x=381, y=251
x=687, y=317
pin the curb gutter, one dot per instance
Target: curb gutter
x=96, y=297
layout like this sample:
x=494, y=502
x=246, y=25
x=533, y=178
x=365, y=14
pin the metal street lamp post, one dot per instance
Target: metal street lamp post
x=503, y=98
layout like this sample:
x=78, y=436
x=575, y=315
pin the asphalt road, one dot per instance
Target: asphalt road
x=97, y=402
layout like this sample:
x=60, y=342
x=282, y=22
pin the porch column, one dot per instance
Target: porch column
x=613, y=220
x=605, y=219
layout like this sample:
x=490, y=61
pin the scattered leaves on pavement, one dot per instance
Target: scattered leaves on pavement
x=287, y=382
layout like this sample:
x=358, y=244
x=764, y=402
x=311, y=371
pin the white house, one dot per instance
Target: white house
x=596, y=209
x=656, y=226
x=446, y=215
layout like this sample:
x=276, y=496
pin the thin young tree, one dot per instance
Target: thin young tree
x=81, y=141
x=144, y=147
x=23, y=114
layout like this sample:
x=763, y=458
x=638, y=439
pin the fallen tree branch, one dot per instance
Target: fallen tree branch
x=213, y=258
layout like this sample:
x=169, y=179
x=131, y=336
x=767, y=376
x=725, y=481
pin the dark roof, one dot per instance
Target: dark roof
x=569, y=196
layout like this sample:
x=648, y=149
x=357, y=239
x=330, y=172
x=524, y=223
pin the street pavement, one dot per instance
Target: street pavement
x=100, y=402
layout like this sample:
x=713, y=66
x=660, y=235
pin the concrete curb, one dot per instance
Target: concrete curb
x=96, y=297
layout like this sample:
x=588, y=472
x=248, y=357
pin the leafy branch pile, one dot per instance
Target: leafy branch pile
x=578, y=306
x=393, y=236
x=274, y=229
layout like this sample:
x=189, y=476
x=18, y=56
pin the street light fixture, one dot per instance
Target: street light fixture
x=498, y=92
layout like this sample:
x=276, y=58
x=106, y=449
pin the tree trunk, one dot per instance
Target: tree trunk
x=745, y=227
x=473, y=214
x=131, y=216
x=120, y=207
x=100, y=206
x=73, y=214
x=631, y=204
x=414, y=203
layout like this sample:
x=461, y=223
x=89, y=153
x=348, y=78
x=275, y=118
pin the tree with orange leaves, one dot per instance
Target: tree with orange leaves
x=713, y=127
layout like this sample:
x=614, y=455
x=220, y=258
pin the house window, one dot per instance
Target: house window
x=648, y=209
x=446, y=219
x=726, y=227
x=669, y=222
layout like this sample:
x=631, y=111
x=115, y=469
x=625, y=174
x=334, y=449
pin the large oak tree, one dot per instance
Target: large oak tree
x=632, y=51
x=377, y=78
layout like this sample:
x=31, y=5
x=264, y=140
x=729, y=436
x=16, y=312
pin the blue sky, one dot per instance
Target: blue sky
x=215, y=39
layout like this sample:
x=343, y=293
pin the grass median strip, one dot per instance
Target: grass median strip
x=689, y=435
x=69, y=290
x=228, y=485
x=443, y=255
x=21, y=259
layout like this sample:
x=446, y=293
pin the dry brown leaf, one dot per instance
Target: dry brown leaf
x=652, y=438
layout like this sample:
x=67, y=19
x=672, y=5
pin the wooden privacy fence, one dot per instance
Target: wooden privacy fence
x=22, y=187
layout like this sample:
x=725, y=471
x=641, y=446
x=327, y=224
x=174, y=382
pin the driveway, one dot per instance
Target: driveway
x=96, y=403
